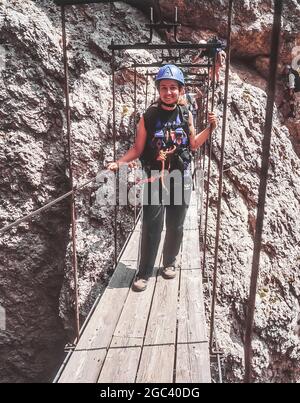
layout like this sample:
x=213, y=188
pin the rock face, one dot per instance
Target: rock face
x=276, y=335
x=251, y=24
x=32, y=172
x=36, y=279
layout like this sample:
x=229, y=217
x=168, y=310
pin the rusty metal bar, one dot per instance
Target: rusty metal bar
x=114, y=150
x=208, y=175
x=69, y=137
x=45, y=207
x=274, y=55
x=162, y=25
x=77, y=2
x=176, y=25
x=186, y=75
x=157, y=46
x=220, y=189
x=205, y=151
x=158, y=64
x=146, y=96
x=171, y=58
x=207, y=101
x=195, y=83
x=151, y=29
x=135, y=133
x=198, y=76
x=134, y=100
x=204, y=147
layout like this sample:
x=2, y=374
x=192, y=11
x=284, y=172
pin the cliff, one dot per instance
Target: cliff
x=36, y=286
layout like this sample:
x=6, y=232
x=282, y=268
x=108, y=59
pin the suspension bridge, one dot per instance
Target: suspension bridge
x=161, y=335
x=158, y=335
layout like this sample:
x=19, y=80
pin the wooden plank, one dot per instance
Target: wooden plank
x=99, y=330
x=194, y=198
x=130, y=331
x=192, y=359
x=191, y=312
x=83, y=366
x=111, y=323
x=161, y=327
x=138, y=225
x=131, y=327
x=120, y=365
x=157, y=361
x=157, y=364
x=192, y=363
x=192, y=219
x=191, y=258
x=132, y=249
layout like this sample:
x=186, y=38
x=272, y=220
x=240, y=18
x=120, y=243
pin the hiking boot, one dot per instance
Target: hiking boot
x=169, y=272
x=139, y=284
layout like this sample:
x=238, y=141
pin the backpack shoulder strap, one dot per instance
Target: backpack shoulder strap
x=184, y=112
x=150, y=117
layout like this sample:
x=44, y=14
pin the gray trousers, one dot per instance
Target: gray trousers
x=152, y=226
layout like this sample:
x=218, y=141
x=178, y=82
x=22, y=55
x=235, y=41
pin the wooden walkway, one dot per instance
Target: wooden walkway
x=158, y=335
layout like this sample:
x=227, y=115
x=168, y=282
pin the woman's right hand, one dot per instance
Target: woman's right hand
x=212, y=119
x=113, y=166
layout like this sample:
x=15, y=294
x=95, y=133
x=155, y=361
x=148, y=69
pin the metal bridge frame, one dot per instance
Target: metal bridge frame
x=278, y=6
x=179, y=46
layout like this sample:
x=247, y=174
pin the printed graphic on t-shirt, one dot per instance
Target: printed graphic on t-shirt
x=169, y=134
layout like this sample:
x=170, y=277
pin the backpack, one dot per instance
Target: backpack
x=297, y=80
x=181, y=157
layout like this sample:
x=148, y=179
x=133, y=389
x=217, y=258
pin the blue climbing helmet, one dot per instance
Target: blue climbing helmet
x=169, y=72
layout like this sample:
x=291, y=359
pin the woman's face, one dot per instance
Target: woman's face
x=169, y=91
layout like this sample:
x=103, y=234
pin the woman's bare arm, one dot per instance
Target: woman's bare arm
x=196, y=140
x=136, y=150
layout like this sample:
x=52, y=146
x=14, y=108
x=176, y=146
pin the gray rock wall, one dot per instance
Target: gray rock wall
x=32, y=161
x=276, y=335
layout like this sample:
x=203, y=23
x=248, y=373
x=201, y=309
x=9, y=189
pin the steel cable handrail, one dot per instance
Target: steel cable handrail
x=220, y=188
x=45, y=207
x=262, y=186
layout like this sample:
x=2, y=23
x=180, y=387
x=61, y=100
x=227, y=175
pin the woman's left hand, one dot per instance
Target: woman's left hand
x=212, y=119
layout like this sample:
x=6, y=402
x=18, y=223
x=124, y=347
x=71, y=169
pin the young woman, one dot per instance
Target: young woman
x=164, y=139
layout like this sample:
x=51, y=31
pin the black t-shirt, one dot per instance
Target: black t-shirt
x=165, y=129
